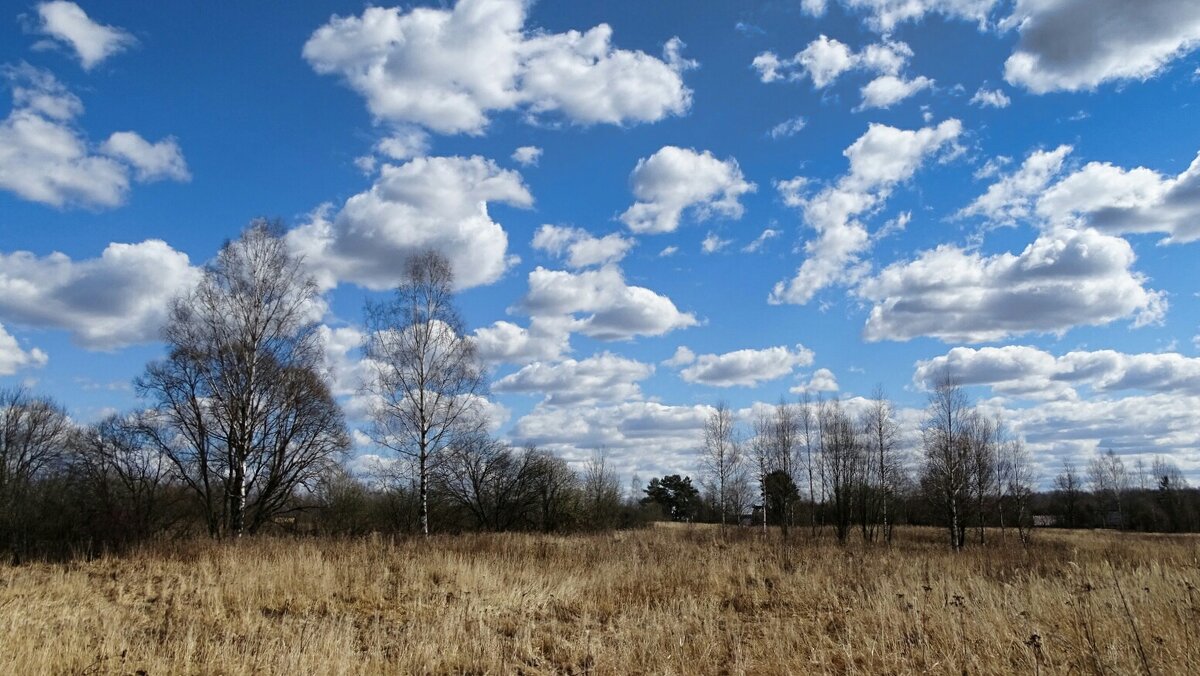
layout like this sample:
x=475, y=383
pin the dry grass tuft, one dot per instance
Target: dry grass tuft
x=669, y=600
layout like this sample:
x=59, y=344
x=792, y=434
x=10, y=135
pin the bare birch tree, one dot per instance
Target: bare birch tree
x=240, y=405
x=947, y=471
x=426, y=380
x=722, y=462
x=882, y=438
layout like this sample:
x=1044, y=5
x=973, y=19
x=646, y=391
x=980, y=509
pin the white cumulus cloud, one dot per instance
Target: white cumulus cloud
x=746, y=367
x=1071, y=45
x=449, y=69
x=67, y=23
x=45, y=157
x=437, y=203
x=676, y=179
x=118, y=299
x=880, y=159
x=1065, y=278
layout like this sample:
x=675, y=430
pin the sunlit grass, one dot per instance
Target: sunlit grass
x=670, y=599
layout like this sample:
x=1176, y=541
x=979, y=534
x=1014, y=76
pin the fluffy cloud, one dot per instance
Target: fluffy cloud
x=605, y=377
x=640, y=437
x=67, y=23
x=118, y=299
x=1100, y=195
x=427, y=203
x=1157, y=424
x=1010, y=199
x=507, y=343
x=674, y=179
x=1120, y=201
x=447, y=69
x=601, y=305
x=580, y=248
x=527, y=156
x=990, y=98
x=746, y=367
x=824, y=60
x=1065, y=278
x=887, y=90
x=45, y=157
x=14, y=358
x=1080, y=44
x=822, y=380
x=1031, y=372
x=880, y=159
x=150, y=161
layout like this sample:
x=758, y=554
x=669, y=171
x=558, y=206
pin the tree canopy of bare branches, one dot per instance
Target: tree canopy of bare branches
x=239, y=405
x=426, y=379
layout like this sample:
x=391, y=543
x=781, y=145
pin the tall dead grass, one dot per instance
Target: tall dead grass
x=667, y=600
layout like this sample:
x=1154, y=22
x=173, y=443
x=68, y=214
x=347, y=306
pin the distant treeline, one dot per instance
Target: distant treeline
x=238, y=432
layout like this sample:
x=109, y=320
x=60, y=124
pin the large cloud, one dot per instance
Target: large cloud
x=674, y=179
x=546, y=338
x=1108, y=198
x=1065, y=278
x=447, y=69
x=14, y=358
x=118, y=299
x=640, y=437
x=746, y=367
x=435, y=203
x=604, y=377
x=600, y=304
x=93, y=42
x=45, y=157
x=1081, y=44
x=1033, y=372
x=880, y=159
x=1010, y=199
x=1121, y=201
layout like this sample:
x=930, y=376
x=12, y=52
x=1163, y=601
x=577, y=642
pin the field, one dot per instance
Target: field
x=665, y=600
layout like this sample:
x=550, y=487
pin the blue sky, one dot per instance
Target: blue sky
x=735, y=201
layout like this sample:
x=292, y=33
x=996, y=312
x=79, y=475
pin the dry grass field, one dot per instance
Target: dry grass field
x=666, y=600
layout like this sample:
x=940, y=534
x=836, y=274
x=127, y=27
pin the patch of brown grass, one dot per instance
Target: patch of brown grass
x=667, y=600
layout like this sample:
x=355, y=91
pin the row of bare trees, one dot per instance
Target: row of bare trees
x=819, y=462
x=239, y=430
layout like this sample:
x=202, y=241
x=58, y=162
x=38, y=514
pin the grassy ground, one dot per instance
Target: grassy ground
x=670, y=599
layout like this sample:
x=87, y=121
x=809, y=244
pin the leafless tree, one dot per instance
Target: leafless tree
x=882, y=439
x=1016, y=474
x=426, y=383
x=842, y=453
x=1070, y=488
x=981, y=437
x=492, y=481
x=1110, y=480
x=239, y=405
x=125, y=474
x=33, y=434
x=555, y=488
x=601, y=490
x=947, y=469
x=722, y=462
x=810, y=443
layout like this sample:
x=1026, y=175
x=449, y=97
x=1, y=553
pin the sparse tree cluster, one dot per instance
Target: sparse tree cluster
x=239, y=433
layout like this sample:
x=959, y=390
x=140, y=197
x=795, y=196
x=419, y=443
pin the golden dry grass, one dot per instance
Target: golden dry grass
x=669, y=600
